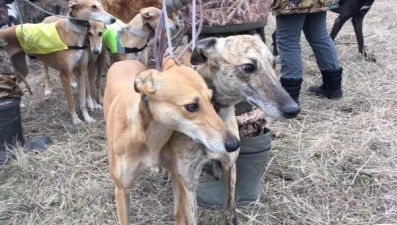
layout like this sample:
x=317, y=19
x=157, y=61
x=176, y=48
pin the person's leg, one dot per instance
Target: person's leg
x=288, y=32
x=324, y=49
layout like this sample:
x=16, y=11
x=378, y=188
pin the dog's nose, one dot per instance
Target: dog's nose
x=291, y=110
x=95, y=51
x=112, y=20
x=231, y=143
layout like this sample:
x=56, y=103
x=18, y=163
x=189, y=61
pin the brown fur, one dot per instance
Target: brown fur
x=65, y=61
x=137, y=132
x=126, y=10
x=94, y=42
x=142, y=23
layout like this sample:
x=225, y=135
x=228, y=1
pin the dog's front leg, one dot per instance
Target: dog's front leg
x=65, y=78
x=188, y=161
x=229, y=176
x=47, y=89
x=100, y=66
x=357, y=21
x=81, y=73
x=124, y=169
x=92, y=103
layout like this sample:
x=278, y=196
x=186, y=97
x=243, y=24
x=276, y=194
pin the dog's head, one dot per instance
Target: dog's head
x=179, y=99
x=89, y=10
x=151, y=17
x=240, y=68
x=95, y=36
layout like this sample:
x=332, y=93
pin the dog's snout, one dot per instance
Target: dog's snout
x=231, y=143
x=291, y=110
x=112, y=20
x=95, y=51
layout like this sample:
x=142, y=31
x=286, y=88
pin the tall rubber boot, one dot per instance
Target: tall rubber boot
x=332, y=85
x=250, y=166
x=293, y=87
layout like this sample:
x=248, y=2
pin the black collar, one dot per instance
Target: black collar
x=76, y=47
x=217, y=105
x=134, y=50
x=79, y=22
x=149, y=26
x=145, y=100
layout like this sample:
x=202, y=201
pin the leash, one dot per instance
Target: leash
x=159, y=49
x=43, y=10
x=194, y=37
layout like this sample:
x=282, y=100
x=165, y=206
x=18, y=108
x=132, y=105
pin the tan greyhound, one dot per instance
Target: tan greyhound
x=142, y=110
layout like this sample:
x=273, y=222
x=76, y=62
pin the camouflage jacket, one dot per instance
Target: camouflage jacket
x=287, y=7
x=228, y=12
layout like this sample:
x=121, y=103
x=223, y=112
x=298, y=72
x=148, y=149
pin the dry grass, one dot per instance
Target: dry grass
x=335, y=164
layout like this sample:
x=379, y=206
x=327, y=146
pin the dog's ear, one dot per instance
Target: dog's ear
x=147, y=14
x=72, y=3
x=144, y=82
x=200, y=52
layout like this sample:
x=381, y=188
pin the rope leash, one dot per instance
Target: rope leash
x=17, y=7
x=160, y=47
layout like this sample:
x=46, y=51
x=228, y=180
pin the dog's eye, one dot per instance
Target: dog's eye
x=94, y=7
x=89, y=34
x=193, y=107
x=100, y=34
x=249, y=68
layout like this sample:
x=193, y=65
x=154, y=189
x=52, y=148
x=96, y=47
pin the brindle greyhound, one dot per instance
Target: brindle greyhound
x=237, y=68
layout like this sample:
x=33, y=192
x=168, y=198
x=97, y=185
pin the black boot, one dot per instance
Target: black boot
x=293, y=87
x=332, y=84
x=250, y=166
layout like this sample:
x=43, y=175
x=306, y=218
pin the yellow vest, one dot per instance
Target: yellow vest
x=39, y=38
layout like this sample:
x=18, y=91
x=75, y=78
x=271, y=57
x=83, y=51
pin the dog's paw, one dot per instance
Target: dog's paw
x=77, y=121
x=370, y=59
x=74, y=85
x=89, y=119
x=97, y=106
x=155, y=170
x=90, y=103
x=47, y=92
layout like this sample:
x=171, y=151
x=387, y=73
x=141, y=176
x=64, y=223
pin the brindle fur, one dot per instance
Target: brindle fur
x=221, y=62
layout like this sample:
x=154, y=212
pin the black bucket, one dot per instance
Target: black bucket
x=10, y=123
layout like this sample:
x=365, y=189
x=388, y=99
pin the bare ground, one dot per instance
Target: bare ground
x=335, y=164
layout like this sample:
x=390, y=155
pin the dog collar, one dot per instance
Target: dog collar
x=218, y=106
x=145, y=100
x=79, y=22
x=76, y=47
x=149, y=26
x=134, y=50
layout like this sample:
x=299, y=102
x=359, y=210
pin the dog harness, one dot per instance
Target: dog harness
x=41, y=39
x=112, y=39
